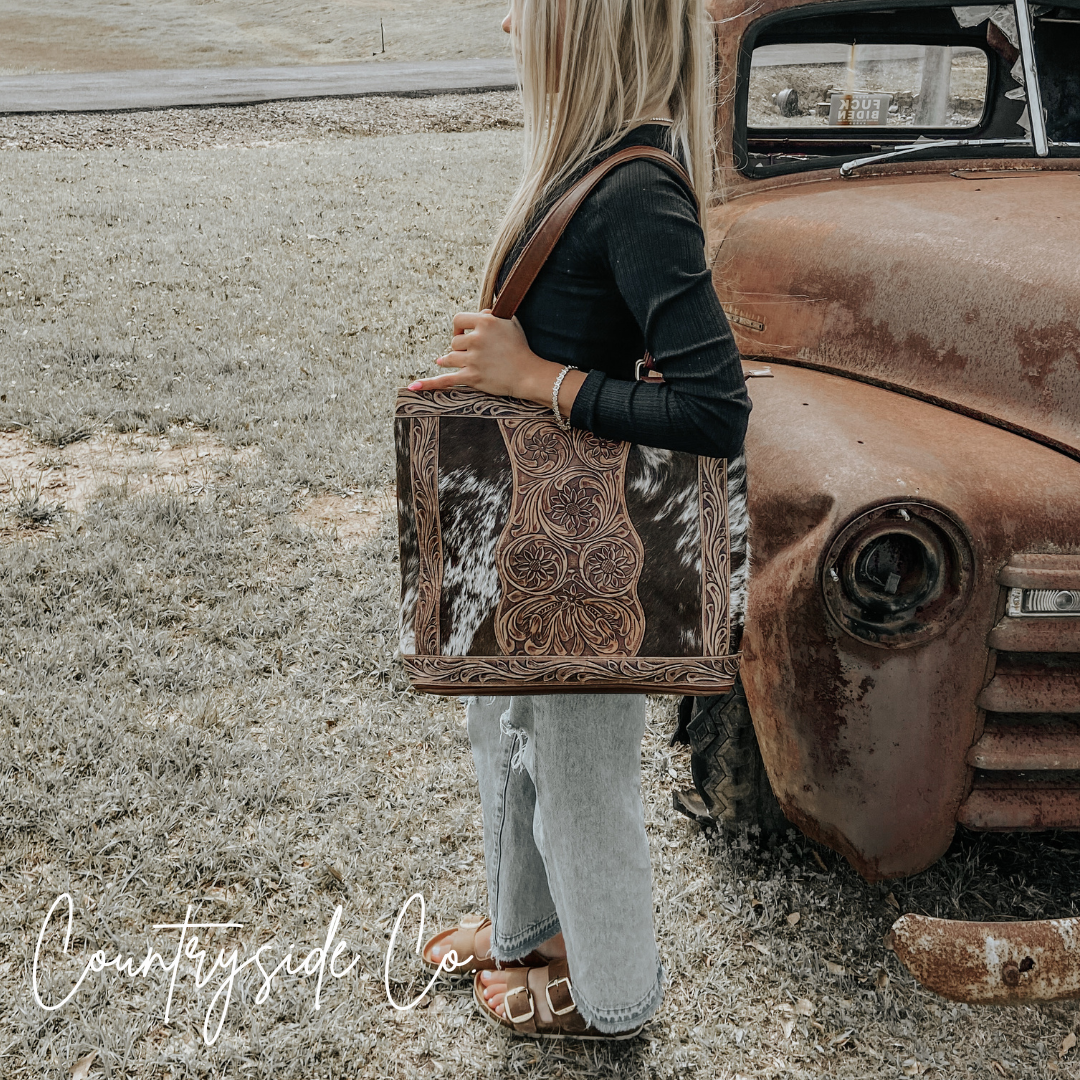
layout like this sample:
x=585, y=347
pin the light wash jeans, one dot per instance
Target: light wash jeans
x=565, y=844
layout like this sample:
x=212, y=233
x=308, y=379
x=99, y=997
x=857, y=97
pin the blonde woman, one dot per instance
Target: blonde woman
x=570, y=945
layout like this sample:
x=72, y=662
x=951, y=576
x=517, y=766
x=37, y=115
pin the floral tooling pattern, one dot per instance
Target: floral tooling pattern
x=541, y=674
x=569, y=558
x=424, y=445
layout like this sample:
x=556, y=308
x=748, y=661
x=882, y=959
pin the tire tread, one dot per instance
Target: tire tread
x=727, y=767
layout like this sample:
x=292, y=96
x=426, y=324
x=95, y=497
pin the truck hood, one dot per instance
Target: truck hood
x=960, y=288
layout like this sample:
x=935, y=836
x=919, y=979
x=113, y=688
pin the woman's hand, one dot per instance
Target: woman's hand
x=493, y=355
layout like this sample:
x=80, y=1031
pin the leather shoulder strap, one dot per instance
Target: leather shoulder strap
x=543, y=240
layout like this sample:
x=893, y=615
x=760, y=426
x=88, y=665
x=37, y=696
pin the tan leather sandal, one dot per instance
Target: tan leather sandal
x=522, y=1017
x=462, y=939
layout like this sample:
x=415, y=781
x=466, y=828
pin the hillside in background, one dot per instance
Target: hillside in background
x=118, y=35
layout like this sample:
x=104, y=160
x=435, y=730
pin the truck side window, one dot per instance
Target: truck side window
x=1057, y=49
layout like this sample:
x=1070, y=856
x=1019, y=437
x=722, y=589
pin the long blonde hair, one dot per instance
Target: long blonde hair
x=585, y=84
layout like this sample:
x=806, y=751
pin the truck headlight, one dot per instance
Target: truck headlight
x=1044, y=602
x=898, y=574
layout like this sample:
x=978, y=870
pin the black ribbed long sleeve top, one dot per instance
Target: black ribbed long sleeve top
x=629, y=274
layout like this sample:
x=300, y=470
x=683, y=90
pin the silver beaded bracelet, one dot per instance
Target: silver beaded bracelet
x=559, y=418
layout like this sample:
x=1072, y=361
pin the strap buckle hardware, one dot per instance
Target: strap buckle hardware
x=547, y=994
x=506, y=1005
x=646, y=374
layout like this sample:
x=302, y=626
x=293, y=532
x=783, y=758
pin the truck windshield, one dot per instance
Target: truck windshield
x=827, y=88
x=812, y=86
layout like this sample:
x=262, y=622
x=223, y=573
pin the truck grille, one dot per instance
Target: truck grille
x=1027, y=759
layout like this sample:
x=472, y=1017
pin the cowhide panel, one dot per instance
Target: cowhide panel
x=662, y=497
x=475, y=485
x=536, y=560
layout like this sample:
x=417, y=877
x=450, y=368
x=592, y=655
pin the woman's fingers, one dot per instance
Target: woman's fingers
x=484, y=332
x=469, y=320
x=440, y=382
x=462, y=377
x=492, y=354
x=466, y=320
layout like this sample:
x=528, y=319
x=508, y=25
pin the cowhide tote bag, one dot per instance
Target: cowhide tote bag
x=535, y=560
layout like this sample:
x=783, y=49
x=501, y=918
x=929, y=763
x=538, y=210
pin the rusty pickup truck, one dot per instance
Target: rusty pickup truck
x=897, y=245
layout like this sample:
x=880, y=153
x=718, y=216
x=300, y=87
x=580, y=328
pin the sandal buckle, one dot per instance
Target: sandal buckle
x=506, y=1005
x=547, y=993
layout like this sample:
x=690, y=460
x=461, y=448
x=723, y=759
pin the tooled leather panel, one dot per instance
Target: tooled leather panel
x=424, y=452
x=463, y=401
x=569, y=558
x=715, y=613
x=552, y=674
x=409, y=559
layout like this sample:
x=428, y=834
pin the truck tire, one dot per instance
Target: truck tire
x=729, y=776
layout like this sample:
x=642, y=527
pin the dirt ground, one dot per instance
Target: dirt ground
x=117, y=35
x=272, y=124
x=200, y=702
x=44, y=481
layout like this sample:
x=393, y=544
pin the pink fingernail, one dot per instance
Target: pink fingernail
x=415, y=385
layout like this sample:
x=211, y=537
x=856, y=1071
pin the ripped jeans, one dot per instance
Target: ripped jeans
x=565, y=845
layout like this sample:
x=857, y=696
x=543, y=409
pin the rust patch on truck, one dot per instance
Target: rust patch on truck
x=838, y=288
x=991, y=963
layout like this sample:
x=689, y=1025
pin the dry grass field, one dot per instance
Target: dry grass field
x=118, y=35
x=199, y=698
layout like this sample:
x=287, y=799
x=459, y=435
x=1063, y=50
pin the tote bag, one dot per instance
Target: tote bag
x=536, y=560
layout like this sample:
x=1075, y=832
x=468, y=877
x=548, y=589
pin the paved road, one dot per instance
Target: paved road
x=110, y=91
